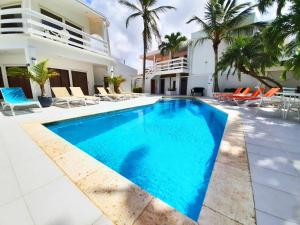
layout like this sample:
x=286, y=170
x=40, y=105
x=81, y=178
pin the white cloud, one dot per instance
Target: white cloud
x=126, y=44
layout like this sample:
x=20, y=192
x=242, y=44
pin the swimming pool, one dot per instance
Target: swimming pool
x=168, y=149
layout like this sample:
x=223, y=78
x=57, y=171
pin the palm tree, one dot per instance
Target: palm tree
x=264, y=4
x=149, y=13
x=116, y=81
x=172, y=44
x=248, y=55
x=285, y=30
x=38, y=73
x=222, y=21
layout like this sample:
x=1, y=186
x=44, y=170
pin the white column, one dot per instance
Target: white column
x=26, y=3
x=4, y=76
x=30, y=57
x=178, y=83
x=106, y=36
x=70, y=78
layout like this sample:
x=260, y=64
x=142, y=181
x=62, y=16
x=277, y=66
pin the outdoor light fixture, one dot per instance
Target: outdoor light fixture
x=33, y=60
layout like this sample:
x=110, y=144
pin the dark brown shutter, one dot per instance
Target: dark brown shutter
x=80, y=80
x=20, y=82
x=60, y=81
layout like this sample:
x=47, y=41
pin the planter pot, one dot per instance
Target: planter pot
x=45, y=101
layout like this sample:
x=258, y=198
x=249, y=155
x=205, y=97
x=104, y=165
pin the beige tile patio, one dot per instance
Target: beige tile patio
x=232, y=152
x=230, y=194
x=210, y=217
x=158, y=212
x=76, y=164
x=119, y=199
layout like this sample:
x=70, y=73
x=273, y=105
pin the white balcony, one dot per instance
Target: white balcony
x=36, y=24
x=173, y=66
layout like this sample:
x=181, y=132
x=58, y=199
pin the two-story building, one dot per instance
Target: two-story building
x=70, y=34
x=167, y=75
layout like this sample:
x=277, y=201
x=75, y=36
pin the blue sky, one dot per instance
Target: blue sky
x=126, y=44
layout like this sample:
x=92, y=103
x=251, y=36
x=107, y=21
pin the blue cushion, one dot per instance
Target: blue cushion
x=14, y=95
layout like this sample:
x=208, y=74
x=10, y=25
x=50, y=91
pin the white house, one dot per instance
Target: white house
x=72, y=35
x=193, y=66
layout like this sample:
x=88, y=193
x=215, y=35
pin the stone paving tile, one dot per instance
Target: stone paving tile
x=267, y=219
x=119, y=199
x=277, y=163
x=266, y=151
x=103, y=221
x=277, y=203
x=276, y=180
x=158, y=212
x=35, y=173
x=15, y=213
x=230, y=194
x=210, y=217
x=60, y=202
x=9, y=187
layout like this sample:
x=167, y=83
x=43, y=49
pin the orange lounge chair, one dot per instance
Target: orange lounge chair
x=236, y=92
x=243, y=94
x=255, y=98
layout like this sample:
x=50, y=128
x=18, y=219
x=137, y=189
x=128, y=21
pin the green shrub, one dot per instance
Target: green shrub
x=137, y=90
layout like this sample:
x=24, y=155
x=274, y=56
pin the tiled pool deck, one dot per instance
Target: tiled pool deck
x=35, y=191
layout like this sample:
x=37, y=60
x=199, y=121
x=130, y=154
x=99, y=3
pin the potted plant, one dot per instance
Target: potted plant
x=116, y=82
x=38, y=73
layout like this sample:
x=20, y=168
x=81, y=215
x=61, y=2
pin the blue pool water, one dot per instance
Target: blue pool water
x=168, y=149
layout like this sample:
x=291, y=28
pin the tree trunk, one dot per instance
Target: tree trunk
x=262, y=79
x=215, y=75
x=42, y=90
x=144, y=58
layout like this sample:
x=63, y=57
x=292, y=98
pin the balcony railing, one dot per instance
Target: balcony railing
x=178, y=65
x=36, y=24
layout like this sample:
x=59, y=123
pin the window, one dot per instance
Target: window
x=11, y=16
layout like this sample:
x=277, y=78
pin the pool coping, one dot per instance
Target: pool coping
x=228, y=200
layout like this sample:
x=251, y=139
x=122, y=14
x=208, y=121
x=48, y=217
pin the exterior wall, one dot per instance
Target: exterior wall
x=100, y=72
x=16, y=58
x=290, y=81
x=233, y=81
x=201, y=58
x=70, y=65
x=127, y=72
x=19, y=59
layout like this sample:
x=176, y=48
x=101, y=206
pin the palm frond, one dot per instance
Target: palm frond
x=132, y=16
x=129, y=5
x=163, y=9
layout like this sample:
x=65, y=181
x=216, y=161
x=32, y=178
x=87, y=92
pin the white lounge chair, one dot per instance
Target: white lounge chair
x=134, y=95
x=120, y=96
x=15, y=97
x=62, y=95
x=103, y=93
x=77, y=92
